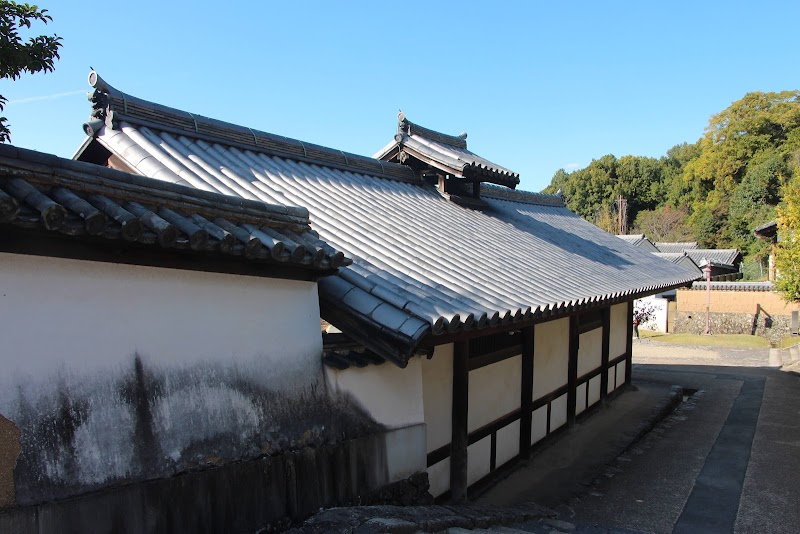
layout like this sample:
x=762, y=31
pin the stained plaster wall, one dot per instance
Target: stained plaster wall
x=437, y=388
x=392, y=397
x=117, y=373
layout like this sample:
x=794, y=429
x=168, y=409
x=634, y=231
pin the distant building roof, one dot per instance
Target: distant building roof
x=680, y=258
x=447, y=153
x=676, y=246
x=719, y=256
x=766, y=231
x=639, y=240
x=422, y=265
x=79, y=201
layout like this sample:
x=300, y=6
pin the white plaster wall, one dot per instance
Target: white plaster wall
x=558, y=412
x=479, y=460
x=390, y=395
x=88, y=315
x=619, y=330
x=439, y=477
x=590, y=351
x=659, y=322
x=539, y=424
x=507, y=443
x=621, y=372
x=437, y=392
x=550, y=356
x=211, y=352
x=405, y=452
x=494, y=391
x=612, y=375
x=580, y=399
x=594, y=390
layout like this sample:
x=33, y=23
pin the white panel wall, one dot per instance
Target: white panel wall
x=479, y=459
x=550, y=356
x=594, y=390
x=621, y=373
x=439, y=477
x=539, y=424
x=590, y=351
x=619, y=330
x=390, y=395
x=558, y=412
x=507, y=443
x=494, y=391
x=437, y=390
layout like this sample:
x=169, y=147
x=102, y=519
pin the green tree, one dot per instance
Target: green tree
x=787, y=257
x=17, y=55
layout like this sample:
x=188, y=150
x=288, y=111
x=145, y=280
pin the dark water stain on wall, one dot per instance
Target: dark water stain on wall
x=148, y=422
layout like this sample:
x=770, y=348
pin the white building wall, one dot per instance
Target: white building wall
x=392, y=396
x=590, y=351
x=618, y=340
x=494, y=391
x=437, y=389
x=659, y=321
x=223, y=360
x=550, y=356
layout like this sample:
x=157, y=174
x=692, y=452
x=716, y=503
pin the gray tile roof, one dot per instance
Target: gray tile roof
x=446, y=152
x=719, y=256
x=676, y=246
x=69, y=198
x=680, y=258
x=638, y=240
x=422, y=265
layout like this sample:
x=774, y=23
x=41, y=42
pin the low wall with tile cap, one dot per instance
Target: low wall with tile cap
x=118, y=373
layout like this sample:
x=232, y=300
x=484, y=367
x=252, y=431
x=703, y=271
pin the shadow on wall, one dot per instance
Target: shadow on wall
x=147, y=422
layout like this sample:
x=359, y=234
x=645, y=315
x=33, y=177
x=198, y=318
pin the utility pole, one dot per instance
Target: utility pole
x=622, y=215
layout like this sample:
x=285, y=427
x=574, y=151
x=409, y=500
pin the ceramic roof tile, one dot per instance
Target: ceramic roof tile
x=40, y=191
x=446, y=267
x=445, y=152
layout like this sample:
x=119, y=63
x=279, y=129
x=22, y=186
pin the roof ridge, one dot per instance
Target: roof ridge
x=407, y=127
x=518, y=195
x=111, y=106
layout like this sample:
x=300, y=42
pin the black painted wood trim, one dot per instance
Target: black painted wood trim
x=605, y=352
x=493, y=452
x=485, y=360
x=460, y=433
x=572, y=369
x=629, y=344
x=526, y=400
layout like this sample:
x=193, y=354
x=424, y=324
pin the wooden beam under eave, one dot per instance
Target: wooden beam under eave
x=605, y=352
x=629, y=344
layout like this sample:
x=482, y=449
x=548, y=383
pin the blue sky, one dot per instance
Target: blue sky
x=537, y=86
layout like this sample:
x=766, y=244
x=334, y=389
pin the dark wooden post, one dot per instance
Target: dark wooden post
x=572, y=369
x=526, y=401
x=606, y=343
x=460, y=433
x=629, y=344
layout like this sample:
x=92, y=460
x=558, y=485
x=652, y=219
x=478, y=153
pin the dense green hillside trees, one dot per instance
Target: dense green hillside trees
x=714, y=191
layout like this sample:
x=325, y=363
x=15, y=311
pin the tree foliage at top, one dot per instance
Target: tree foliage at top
x=787, y=257
x=18, y=55
x=714, y=191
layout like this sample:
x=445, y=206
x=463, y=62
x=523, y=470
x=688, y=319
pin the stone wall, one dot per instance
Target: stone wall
x=773, y=328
